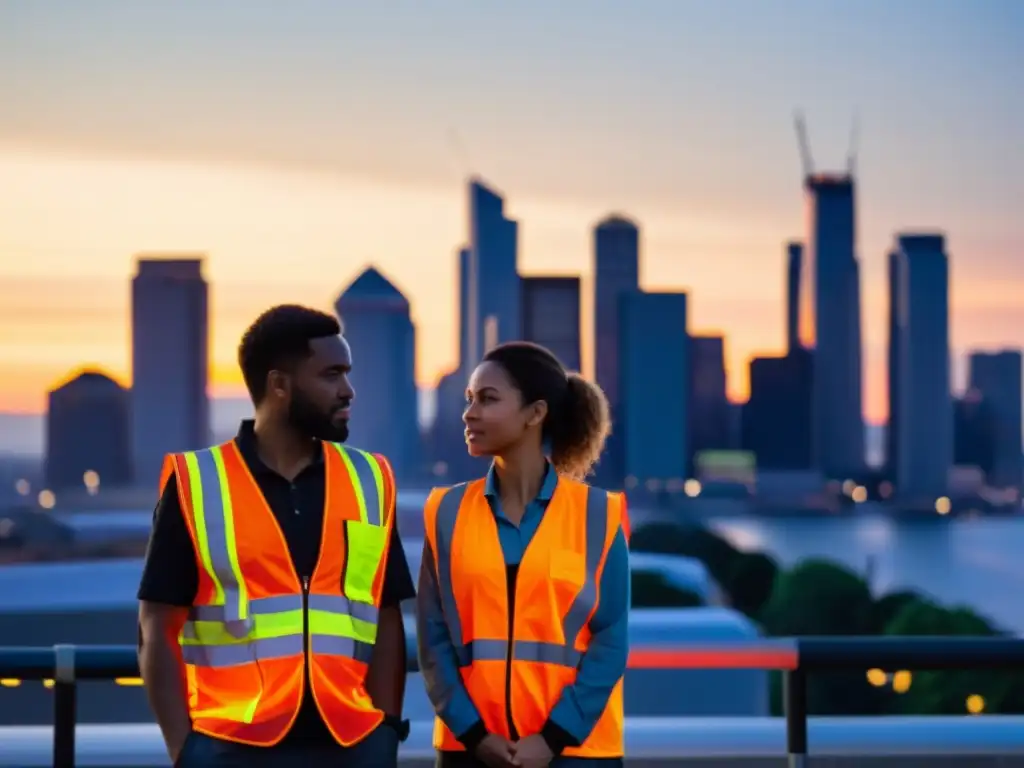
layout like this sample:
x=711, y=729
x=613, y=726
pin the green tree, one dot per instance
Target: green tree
x=817, y=597
x=945, y=692
x=652, y=590
x=888, y=606
x=751, y=581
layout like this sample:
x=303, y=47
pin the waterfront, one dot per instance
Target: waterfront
x=975, y=562
x=972, y=561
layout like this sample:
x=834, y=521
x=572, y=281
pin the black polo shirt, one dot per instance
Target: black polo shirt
x=170, y=574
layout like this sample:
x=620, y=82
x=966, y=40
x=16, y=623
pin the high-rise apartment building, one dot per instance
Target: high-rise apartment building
x=654, y=377
x=794, y=273
x=493, y=278
x=551, y=316
x=997, y=376
x=776, y=420
x=616, y=272
x=830, y=324
x=974, y=432
x=170, y=361
x=381, y=334
x=924, y=448
x=892, y=431
x=708, y=409
x=464, y=268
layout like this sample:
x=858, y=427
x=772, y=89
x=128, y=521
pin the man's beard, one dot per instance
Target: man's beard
x=307, y=419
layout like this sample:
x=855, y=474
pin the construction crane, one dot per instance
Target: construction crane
x=851, y=157
x=803, y=145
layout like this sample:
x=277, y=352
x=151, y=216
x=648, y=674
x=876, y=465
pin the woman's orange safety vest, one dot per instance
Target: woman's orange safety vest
x=254, y=625
x=520, y=678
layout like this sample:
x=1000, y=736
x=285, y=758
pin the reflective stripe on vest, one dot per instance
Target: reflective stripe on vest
x=234, y=630
x=575, y=620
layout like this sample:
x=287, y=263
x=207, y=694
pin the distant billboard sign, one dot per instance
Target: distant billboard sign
x=726, y=467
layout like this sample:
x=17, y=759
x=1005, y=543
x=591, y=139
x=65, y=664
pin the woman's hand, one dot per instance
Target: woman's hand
x=532, y=752
x=496, y=751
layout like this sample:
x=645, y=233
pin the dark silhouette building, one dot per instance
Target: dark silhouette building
x=794, y=272
x=830, y=323
x=892, y=436
x=551, y=316
x=380, y=331
x=655, y=428
x=997, y=376
x=974, y=432
x=170, y=361
x=708, y=410
x=88, y=429
x=616, y=271
x=493, y=277
x=777, y=419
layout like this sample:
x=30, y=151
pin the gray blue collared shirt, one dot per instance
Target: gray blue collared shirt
x=581, y=704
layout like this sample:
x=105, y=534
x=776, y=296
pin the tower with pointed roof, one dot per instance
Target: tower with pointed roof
x=380, y=331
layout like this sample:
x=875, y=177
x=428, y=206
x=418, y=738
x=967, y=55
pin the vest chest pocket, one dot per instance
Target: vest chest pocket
x=366, y=544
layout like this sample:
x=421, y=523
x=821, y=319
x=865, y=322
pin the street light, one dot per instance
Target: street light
x=91, y=479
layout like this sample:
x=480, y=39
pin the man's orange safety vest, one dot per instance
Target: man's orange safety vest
x=520, y=678
x=254, y=624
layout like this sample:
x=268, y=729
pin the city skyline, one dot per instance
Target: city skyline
x=715, y=211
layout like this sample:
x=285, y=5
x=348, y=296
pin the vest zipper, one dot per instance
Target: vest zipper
x=305, y=629
x=508, y=657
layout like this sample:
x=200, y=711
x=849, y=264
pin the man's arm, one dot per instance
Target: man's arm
x=169, y=583
x=163, y=671
x=385, y=679
x=581, y=705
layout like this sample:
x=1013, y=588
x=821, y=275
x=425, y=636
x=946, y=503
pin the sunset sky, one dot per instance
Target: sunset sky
x=297, y=142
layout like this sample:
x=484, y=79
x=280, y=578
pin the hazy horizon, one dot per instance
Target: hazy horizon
x=297, y=143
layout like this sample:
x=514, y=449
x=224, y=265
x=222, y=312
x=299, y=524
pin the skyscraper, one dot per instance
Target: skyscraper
x=493, y=280
x=997, y=376
x=382, y=336
x=465, y=254
x=794, y=269
x=616, y=274
x=776, y=420
x=654, y=377
x=551, y=316
x=88, y=428
x=830, y=324
x=708, y=409
x=974, y=432
x=170, y=359
x=924, y=448
x=892, y=432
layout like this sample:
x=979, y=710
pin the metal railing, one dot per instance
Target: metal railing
x=66, y=665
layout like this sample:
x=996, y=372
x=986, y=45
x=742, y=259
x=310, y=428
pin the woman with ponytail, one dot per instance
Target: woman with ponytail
x=523, y=600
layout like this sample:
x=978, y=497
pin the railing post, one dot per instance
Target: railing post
x=794, y=695
x=64, y=705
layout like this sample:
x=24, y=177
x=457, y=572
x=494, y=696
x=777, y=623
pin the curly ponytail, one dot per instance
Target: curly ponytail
x=579, y=427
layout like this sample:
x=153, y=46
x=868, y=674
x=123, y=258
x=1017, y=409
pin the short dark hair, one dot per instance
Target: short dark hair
x=278, y=339
x=577, y=423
